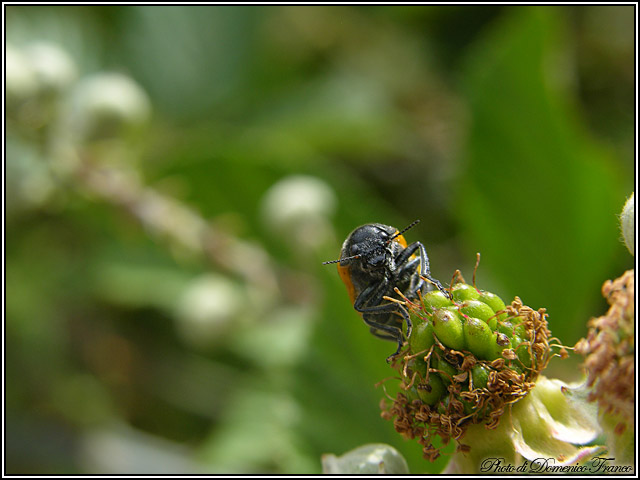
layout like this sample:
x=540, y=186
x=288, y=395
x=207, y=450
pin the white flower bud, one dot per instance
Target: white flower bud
x=207, y=309
x=628, y=224
x=107, y=105
x=53, y=68
x=297, y=207
x=20, y=79
x=375, y=458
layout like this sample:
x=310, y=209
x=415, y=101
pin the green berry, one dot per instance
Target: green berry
x=471, y=408
x=468, y=406
x=431, y=391
x=420, y=366
x=521, y=331
x=493, y=323
x=496, y=304
x=421, y=338
x=477, y=309
x=505, y=327
x=435, y=299
x=445, y=369
x=447, y=325
x=478, y=337
x=443, y=406
x=462, y=292
x=493, y=300
x=411, y=394
x=479, y=376
x=522, y=351
x=509, y=328
x=499, y=341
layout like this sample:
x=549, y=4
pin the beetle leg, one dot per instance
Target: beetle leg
x=406, y=266
x=389, y=332
x=425, y=272
x=379, y=329
x=368, y=303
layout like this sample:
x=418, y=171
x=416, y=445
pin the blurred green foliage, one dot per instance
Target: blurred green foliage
x=507, y=130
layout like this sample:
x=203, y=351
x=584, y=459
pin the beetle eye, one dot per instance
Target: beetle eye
x=377, y=258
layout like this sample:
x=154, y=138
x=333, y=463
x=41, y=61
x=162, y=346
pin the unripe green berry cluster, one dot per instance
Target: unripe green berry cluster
x=468, y=357
x=471, y=321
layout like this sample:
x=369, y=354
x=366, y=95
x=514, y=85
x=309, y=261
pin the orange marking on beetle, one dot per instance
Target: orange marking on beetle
x=345, y=275
x=401, y=240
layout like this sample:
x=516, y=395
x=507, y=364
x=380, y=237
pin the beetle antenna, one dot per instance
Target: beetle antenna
x=341, y=259
x=411, y=225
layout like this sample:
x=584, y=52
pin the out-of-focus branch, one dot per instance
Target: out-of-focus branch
x=181, y=226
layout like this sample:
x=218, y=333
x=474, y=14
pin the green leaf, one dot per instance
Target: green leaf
x=539, y=196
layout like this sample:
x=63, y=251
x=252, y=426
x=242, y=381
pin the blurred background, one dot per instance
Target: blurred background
x=175, y=177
